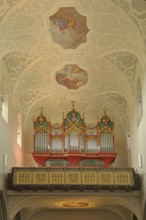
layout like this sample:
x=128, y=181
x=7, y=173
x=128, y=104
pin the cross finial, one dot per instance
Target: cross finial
x=41, y=108
x=73, y=104
x=104, y=109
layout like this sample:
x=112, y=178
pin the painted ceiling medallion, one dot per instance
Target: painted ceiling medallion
x=75, y=204
x=72, y=77
x=68, y=28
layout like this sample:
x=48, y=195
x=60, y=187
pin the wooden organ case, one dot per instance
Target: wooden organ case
x=74, y=143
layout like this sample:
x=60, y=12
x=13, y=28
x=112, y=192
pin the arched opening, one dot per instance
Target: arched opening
x=4, y=99
x=32, y=206
x=17, y=216
x=139, y=108
x=19, y=130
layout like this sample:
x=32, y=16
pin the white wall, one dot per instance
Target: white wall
x=142, y=130
x=8, y=136
x=138, y=132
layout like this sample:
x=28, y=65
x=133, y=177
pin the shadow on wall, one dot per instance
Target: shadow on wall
x=3, y=212
x=17, y=216
x=144, y=217
x=134, y=217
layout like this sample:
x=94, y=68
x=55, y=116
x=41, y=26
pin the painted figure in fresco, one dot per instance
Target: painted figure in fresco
x=63, y=23
x=72, y=77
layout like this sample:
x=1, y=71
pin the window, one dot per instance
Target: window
x=139, y=102
x=19, y=131
x=4, y=99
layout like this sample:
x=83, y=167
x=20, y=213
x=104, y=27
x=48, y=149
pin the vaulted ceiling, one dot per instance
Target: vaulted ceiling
x=57, y=51
x=87, y=51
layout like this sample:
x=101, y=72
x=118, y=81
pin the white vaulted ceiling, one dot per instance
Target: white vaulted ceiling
x=111, y=50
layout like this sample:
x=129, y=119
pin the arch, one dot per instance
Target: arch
x=19, y=130
x=52, y=201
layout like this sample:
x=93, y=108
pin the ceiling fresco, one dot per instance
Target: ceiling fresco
x=68, y=28
x=75, y=204
x=72, y=77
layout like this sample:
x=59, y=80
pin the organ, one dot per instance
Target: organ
x=74, y=143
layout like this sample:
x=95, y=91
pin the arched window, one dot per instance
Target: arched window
x=4, y=99
x=19, y=131
x=139, y=102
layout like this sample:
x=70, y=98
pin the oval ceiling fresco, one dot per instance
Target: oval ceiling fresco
x=72, y=77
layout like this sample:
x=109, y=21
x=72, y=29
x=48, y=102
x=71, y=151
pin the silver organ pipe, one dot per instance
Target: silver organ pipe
x=41, y=141
x=74, y=135
x=81, y=142
x=106, y=142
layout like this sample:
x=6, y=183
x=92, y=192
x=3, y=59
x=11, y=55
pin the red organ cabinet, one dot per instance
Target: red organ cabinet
x=73, y=143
